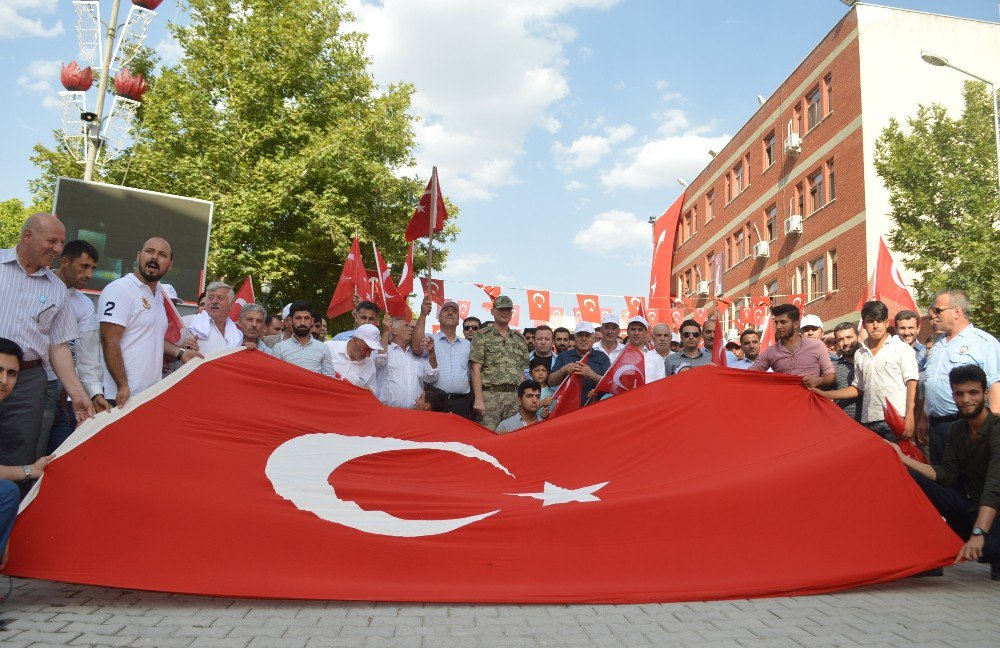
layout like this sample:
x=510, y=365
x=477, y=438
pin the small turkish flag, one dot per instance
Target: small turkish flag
x=515, y=315
x=420, y=222
x=676, y=318
x=568, y=397
x=405, y=286
x=491, y=291
x=463, y=308
x=636, y=306
x=538, y=305
x=627, y=372
x=761, y=307
x=652, y=316
x=590, y=308
x=433, y=288
x=487, y=306
x=700, y=315
x=353, y=279
x=886, y=284
x=395, y=304
x=556, y=313
x=799, y=301
x=719, y=347
x=244, y=296
x=746, y=316
x=175, y=325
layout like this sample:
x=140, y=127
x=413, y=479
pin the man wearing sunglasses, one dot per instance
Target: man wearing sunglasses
x=959, y=343
x=470, y=327
x=690, y=354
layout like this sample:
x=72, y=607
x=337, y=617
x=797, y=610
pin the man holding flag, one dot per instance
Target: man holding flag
x=578, y=360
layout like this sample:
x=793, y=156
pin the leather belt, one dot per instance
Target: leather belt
x=499, y=388
x=944, y=419
x=30, y=364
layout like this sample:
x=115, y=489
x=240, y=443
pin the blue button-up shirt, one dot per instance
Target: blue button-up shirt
x=453, y=363
x=343, y=336
x=971, y=346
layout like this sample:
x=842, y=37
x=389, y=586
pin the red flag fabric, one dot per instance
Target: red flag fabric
x=405, y=286
x=721, y=306
x=761, y=310
x=463, y=308
x=395, y=303
x=175, y=325
x=654, y=316
x=420, y=222
x=898, y=427
x=556, y=313
x=367, y=502
x=353, y=279
x=719, y=346
x=433, y=288
x=491, y=291
x=244, y=296
x=700, y=315
x=487, y=305
x=664, y=236
x=676, y=319
x=567, y=397
x=799, y=301
x=538, y=305
x=590, y=308
x=515, y=315
x=625, y=373
x=636, y=306
x=886, y=284
x=746, y=317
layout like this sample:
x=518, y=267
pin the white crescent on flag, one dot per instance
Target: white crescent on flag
x=590, y=304
x=624, y=372
x=538, y=298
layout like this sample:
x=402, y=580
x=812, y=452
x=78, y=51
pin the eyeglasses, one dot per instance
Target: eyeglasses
x=470, y=328
x=689, y=334
x=937, y=311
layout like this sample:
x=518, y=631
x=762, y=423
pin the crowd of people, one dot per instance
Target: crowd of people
x=62, y=361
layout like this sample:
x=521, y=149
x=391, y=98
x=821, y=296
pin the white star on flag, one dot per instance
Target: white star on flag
x=552, y=494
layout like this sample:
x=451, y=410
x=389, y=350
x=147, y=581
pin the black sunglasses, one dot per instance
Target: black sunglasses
x=472, y=327
x=689, y=334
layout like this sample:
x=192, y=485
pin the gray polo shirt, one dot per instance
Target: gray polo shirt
x=512, y=423
x=313, y=356
x=677, y=361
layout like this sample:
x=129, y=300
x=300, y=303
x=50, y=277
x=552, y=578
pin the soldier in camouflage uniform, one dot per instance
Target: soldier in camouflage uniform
x=498, y=359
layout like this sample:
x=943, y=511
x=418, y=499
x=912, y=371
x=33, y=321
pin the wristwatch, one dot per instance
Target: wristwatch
x=27, y=472
x=979, y=532
x=180, y=353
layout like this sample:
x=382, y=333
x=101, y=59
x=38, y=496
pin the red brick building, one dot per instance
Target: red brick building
x=792, y=204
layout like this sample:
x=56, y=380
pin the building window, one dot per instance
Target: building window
x=830, y=183
x=816, y=196
x=797, y=281
x=729, y=189
x=817, y=278
x=797, y=119
x=831, y=259
x=769, y=150
x=694, y=220
x=771, y=222
x=828, y=91
x=814, y=110
x=710, y=205
x=771, y=288
x=738, y=179
x=740, y=244
x=797, y=203
x=729, y=255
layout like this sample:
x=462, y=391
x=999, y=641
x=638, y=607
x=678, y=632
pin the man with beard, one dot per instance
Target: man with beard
x=708, y=335
x=845, y=337
x=35, y=313
x=750, y=344
x=965, y=486
x=657, y=356
x=133, y=321
x=302, y=349
x=76, y=267
x=251, y=325
x=212, y=329
x=907, y=326
x=274, y=325
x=794, y=354
x=561, y=339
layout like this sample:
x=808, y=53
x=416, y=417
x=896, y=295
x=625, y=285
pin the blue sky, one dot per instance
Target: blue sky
x=558, y=126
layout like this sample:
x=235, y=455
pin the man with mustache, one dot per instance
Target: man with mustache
x=133, y=321
x=35, y=313
x=212, y=330
x=302, y=349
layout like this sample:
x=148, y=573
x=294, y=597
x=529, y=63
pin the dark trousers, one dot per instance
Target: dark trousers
x=959, y=512
x=21, y=418
x=440, y=401
x=937, y=431
x=882, y=429
x=10, y=499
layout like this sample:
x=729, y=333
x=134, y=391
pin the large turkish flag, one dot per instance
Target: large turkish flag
x=242, y=475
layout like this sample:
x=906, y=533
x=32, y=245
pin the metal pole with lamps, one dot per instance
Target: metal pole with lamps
x=265, y=292
x=941, y=61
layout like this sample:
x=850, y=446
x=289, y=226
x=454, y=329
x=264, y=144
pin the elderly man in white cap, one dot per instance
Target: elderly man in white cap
x=570, y=361
x=402, y=367
x=610, y=345
x=352, y=360
x=656, y=357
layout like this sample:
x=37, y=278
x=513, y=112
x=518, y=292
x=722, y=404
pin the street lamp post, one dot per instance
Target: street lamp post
x=941, y=61
x=95, y=126
x=265, y=291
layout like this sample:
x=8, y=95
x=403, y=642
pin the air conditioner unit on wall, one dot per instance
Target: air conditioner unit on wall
x=793, y=224
x=762, y=250
x=793, y=144
x=703, y=288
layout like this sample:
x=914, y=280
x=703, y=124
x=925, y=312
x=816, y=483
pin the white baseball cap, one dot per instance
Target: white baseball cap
x=368, y=333
x=171, y=293
x=285, y=310
x=609, y=318
x=640, y=320
x=811, y=320
x=675, y=337
x=584, y=327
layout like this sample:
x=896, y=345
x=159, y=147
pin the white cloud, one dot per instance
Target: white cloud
x=488, y=72
x=587, y=151
x=169, y=51
x=15, y=21
x=612, y=230
x=41, y=77
x=462, y=265
x=574, y=185
x=585, y=53
x=680, y=151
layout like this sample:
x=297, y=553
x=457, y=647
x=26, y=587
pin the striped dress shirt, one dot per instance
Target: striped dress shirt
x=34, y=308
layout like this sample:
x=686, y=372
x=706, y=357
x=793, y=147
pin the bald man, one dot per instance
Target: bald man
x=133, y=321
x=655, y=357
x=35, y=312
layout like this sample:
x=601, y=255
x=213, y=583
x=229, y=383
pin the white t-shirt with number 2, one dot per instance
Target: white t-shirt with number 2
x=130, y=303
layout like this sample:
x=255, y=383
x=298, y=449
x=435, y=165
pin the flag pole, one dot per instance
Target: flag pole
x=433, y=221
x=381, y=283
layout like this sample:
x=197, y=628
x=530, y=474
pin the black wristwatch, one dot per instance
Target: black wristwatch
x=979, y=532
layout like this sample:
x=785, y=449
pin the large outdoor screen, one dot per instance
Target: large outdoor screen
x=118, y=220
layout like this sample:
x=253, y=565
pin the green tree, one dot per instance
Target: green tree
x=12, y=215
x=942, y=178
x=273, y=115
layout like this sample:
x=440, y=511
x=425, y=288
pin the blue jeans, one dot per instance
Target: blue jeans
x=10, y=499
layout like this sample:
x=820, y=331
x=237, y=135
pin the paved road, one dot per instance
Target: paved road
x=960, y=609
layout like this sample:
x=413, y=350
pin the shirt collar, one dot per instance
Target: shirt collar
x=9, y=255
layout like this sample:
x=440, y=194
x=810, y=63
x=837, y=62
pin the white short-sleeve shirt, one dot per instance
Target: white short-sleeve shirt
x=883, y=377
x=130, y=303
